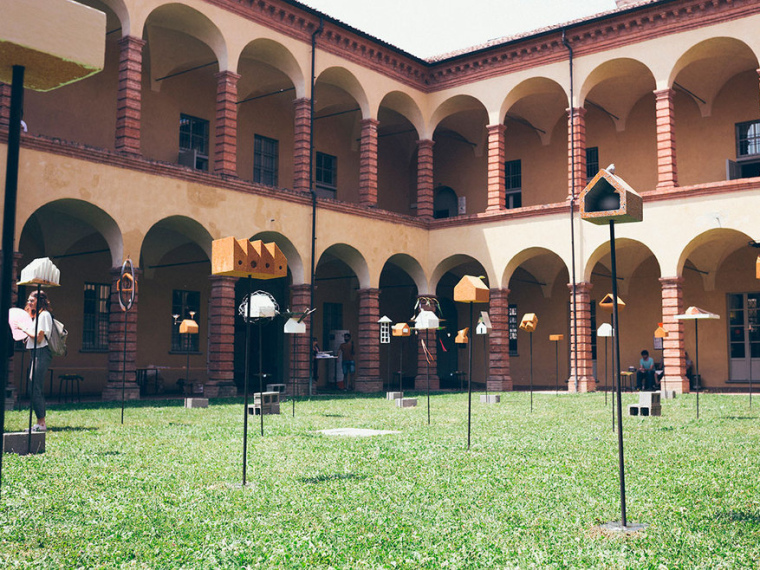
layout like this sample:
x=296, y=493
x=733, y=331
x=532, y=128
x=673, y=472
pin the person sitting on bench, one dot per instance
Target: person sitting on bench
x=645, y=374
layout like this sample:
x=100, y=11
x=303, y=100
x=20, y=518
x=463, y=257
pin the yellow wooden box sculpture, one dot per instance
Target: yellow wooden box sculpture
x=609, y=197
x=188, y=326
x=462, y=337
x=400, y=329
x=607, y=304
x=471, y=289
x=529, y=322
x=242, y=258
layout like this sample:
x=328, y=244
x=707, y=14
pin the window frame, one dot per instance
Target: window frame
x=95, y=322
x=191, y=141
x=320, y=170
x=266, y=148
x=513, y=184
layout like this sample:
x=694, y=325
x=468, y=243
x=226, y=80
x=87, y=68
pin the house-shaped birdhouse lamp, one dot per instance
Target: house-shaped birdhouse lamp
x=471, y=289
x=608, y=197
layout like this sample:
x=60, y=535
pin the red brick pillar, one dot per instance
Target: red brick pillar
x=425, y=179
x=425, y=359
x=496, y=156
x=674, y=350
x=116, y=352
x=583, y=369
x=129, y=97
x=221, y=345
x=5, y=105
x=11, y=392
x=368, y=349
x=300, y=366
x=225, y=147
x=576, y=150
x=302, y=145
x=667, y=173
x=368, y=163
x=499, y=378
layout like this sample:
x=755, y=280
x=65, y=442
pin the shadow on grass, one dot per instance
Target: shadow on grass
x=741, y=516
x=72, y=428
x=740, y=418
x=333, y=415
x=334, y=477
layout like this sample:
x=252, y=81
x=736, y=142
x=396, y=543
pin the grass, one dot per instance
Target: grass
x=164, y=489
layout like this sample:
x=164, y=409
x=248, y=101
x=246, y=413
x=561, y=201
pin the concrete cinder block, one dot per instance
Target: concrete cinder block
x=649, y=399
x=279, y=388
x=490, y=399
x=196, y=402
x=633, y=410
x=668, y=394
x=269, y=398
x=269, y=409
x=394, y=395
x=406, y=402
x=17, y=442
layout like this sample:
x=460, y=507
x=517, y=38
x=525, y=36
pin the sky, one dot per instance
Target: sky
x=426, y=28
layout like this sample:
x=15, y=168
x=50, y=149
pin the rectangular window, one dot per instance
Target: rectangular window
x=97, y=300
x=193, y=142
x=747, y=139
x=513, y=183
x=183, y=304
x=512, y=324
x=327, y=171
x=265, y=160
x=592, y=162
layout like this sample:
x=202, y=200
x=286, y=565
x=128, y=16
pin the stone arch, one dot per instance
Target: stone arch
x=295, y=261
x=351, y=257
x=277, y=58
x=169, y=234
x=725, y=57
x=544, y=265
x=201, y=41
x=615, y=86
x=706, y=252
x=411, y=267
x=630, y=254
x=539, y=103
x=344, y=80
x=57, y=225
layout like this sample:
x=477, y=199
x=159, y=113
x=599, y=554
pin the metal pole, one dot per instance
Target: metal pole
x=401, y=364
x=556, y=359
x=246, y=375
x=750, y=369
x=531, y=372
x=124, y=369
x=606, y=362
x=427, y=372
x=187, y=365
x=616, y=344
x=469, y=382
x=696, y=344
x=9, y=227
x=614, y=378
x=293, y=376
x=261, y=378
x=485, y=361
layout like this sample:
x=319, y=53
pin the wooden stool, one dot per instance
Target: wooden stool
x=66, y=382
x=627, y=377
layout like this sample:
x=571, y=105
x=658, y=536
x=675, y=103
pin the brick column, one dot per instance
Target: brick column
x=300, y=367
x=368, y=163
x=425, y=179
x=368, y=350
x=674, y=350
x=5, y=105
x=225, y=147
x=425, y=359
x=129, y=97
x=576, y=149
x=499, y=378
x=496, y=157
x=583, y=369
x=302, y=145
x=667, y=173
x=11, y=393
x=221, y=351
x=116, y=352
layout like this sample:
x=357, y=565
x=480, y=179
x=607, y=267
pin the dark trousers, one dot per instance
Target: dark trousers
x=37, y=374
x=645, y=380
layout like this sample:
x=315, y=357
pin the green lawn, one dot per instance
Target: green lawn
x=164, y=490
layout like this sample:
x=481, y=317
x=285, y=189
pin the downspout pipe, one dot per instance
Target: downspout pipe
x=574, y=353
x=314, y=35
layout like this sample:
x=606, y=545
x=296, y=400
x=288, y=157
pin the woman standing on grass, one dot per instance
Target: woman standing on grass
x=43, y=321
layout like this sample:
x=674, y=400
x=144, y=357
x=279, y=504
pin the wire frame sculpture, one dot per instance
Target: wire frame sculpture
x=263, y=307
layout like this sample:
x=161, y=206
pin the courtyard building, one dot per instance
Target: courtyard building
x=263, y=119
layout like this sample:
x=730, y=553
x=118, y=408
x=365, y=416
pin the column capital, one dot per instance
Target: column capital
x=227, y=75
x=671, y=281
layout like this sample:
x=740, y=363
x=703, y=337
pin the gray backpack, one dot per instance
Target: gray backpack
x=57, y=338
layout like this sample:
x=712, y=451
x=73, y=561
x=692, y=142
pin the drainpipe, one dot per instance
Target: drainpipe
x=574, y=353
x=317, y=32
